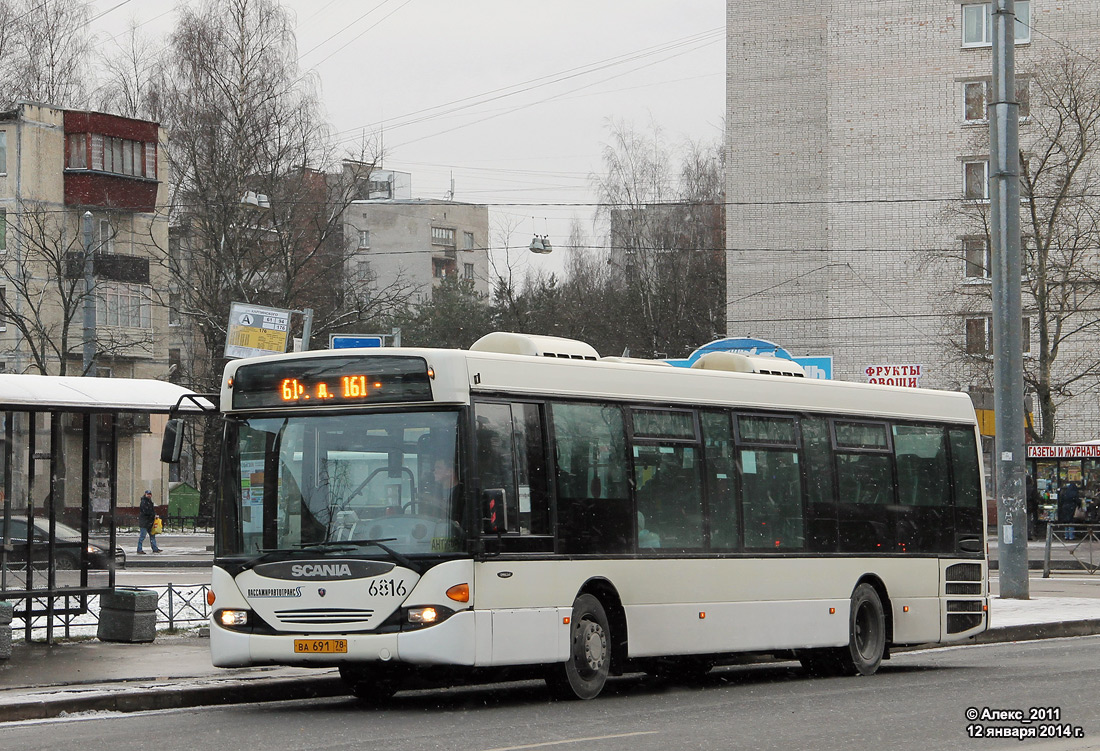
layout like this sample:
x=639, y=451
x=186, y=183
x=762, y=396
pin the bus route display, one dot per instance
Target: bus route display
x=331, y=381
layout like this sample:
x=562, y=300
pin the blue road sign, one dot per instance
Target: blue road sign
x=347, y=341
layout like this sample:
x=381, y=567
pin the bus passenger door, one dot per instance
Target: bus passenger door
x=511, y=475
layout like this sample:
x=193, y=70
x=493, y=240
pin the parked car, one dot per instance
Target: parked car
x=67, y=547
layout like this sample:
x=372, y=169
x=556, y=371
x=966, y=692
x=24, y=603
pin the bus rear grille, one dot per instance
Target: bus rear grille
x=964, y=588
x=964, y=572
x=964, y=606
x=319, y=616
x=959, y=622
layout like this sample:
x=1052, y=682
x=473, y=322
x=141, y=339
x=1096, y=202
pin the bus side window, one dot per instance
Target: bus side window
x=817, y=450
x=722, y=507
x=771, y=483
x=966, y=477
x=590, y=445
x=511, y=460
x=496, y=466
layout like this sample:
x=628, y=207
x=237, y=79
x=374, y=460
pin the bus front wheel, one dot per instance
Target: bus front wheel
x=584, y=674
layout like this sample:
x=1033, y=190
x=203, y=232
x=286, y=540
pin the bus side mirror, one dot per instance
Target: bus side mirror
x=172, y=445
x=496, y=518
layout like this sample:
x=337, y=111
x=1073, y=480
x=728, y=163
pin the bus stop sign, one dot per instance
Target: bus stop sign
x=347, y=341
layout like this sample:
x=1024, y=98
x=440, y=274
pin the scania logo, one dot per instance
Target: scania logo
x=321, y=571
x=321, y=591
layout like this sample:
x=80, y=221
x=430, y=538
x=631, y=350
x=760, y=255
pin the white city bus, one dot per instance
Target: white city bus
x=527, y=503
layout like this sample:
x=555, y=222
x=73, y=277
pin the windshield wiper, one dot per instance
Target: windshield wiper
x=270, y=553
x=378, y=543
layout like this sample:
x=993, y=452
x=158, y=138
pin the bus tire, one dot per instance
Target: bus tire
x=584, y=674
x=373, y=685
x=867, y=632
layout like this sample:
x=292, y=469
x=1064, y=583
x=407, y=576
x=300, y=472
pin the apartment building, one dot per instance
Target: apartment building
x=56, y=165
x=398, y=240
x=857, y=176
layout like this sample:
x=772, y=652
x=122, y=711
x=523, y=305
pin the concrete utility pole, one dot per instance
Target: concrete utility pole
x=1008, y=356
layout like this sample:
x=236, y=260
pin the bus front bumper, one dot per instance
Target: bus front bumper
x=451, y=642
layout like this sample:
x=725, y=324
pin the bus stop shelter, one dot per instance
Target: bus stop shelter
x=64, y=444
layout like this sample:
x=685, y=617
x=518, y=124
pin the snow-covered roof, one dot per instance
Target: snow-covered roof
x=72, y=393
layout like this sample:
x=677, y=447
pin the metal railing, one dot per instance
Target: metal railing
x=180, y=522
x=1078, y=539
x=177, y=607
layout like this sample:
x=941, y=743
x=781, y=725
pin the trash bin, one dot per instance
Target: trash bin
x=128, y=615
x=6, y=609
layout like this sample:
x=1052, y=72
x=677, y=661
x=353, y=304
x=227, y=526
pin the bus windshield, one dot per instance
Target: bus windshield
x=341, y=481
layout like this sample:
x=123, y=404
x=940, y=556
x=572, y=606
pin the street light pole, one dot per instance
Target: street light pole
x=1008, y=363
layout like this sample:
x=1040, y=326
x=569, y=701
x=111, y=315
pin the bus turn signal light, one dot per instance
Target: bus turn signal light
x=209, y=597
x=459, y=593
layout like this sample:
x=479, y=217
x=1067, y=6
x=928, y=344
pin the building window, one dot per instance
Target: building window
x=106, y=237
x=467, y=240
x=362, y=269
x=3, y=230
x=439, y=268
x=173, y=308
x=976, y=180
x=443, y=236
x=977, y=94
x=3, y=152
x=3, y=310
x=974, y=96
x=175, y=366
x=977, y=23
x=78, y=151
x=976, y=253
x=121, y=304
x=364, y=238
x=467, y=271
x=150, y=160
x=977, y=336
x=120, y=156
x=1023, y=97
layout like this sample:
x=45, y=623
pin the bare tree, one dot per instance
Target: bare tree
x=667, y=239
x=131, y=76
x=259, y=199
x=44, y=51
x=1060, y=225
x=44, y=293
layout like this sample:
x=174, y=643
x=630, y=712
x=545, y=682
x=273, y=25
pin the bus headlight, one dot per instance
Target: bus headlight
x=233, y=618
x=423, y=616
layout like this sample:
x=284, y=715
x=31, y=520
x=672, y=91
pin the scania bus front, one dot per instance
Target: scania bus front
x=341, y=522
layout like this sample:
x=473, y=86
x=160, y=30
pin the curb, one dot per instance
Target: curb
x=126, y=696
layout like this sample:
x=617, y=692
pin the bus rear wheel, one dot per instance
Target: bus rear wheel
x=866, y=640
x=584, y=674
x=867, y=631
x=373, y=685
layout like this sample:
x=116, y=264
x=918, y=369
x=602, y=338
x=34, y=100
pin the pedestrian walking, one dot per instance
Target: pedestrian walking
x=147, y=515
x=1069, y=500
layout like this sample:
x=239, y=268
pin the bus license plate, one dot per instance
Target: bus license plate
x=320, y=646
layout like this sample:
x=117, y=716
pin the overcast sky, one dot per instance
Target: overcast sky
x=510, y=97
